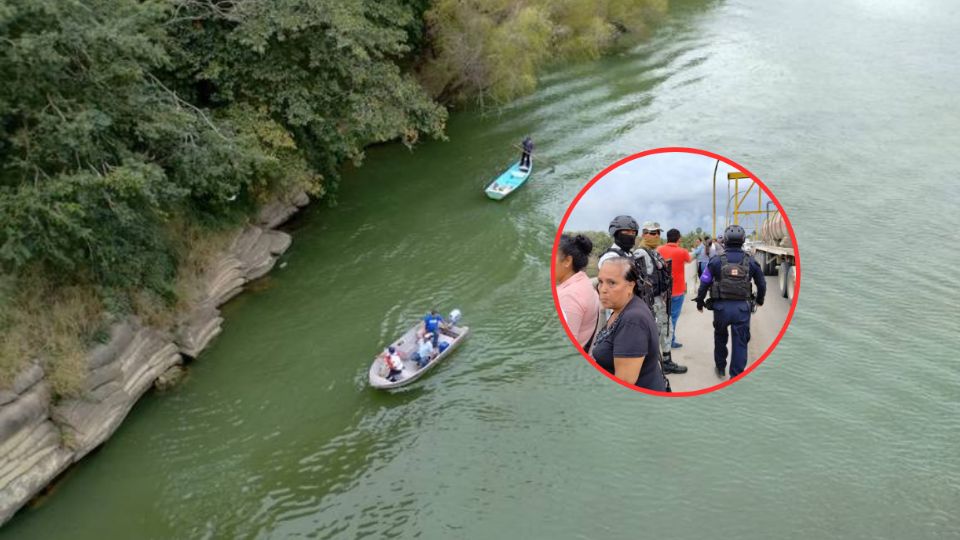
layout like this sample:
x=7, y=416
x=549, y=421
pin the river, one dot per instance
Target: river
x=846, y=109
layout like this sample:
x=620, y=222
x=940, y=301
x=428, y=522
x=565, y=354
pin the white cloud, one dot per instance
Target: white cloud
x=674, y=189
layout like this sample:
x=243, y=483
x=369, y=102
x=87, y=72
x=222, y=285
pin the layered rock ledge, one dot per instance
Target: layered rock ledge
x=40, y=438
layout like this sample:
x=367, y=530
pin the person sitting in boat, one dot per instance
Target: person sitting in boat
x=425, y=351
x=431, y=324
x=392, y=359
x=527, y=152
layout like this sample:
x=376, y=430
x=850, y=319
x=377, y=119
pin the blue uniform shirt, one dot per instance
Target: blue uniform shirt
x=432, y=322
x=734, y=255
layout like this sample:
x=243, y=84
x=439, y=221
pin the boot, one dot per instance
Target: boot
x=669, y=366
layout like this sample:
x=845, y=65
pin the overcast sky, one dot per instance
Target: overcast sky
x=673, y=189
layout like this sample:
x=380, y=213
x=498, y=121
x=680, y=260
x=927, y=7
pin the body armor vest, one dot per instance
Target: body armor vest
x=733, y=283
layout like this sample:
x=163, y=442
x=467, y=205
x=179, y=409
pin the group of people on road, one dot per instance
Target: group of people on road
x=704, y=249
x=628, y=322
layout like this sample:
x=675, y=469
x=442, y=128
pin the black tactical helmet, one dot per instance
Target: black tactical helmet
x=734, y=235
x=620, y=223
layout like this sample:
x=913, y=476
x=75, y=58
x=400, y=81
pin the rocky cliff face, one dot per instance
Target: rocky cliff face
x=40, y=438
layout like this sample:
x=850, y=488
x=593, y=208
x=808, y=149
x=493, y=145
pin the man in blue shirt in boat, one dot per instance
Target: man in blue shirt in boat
x=527, y=146
x=431, y=325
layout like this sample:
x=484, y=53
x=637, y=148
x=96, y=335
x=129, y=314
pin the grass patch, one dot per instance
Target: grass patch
x=41, y=319
x=197, y=249
x=54, y=324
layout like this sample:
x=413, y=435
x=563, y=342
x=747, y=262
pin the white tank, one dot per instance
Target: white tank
x=774, y=231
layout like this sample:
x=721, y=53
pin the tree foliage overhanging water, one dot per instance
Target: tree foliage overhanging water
x=127, y=126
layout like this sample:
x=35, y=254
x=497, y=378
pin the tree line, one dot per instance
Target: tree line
x=132, y=129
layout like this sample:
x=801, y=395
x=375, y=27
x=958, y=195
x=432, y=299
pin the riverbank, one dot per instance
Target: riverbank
x=42, y=435
x=275, y=434
x=172, y=152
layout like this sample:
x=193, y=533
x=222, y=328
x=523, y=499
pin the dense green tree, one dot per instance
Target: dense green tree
x=116, y=115
x=326, y=69
x=130, y=130
x=87, y=132
x=495, y=48
x=689, y=240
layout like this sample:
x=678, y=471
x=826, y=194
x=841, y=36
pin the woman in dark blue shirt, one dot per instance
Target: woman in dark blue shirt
x=628, y=346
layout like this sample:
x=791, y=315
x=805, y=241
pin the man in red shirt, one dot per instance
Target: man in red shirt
x=672, y=251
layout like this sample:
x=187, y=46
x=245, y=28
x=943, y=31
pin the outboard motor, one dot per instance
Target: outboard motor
x=455, y=317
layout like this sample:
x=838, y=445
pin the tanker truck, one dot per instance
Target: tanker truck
x=774, y=252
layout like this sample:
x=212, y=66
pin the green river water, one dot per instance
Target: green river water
x=847, y=109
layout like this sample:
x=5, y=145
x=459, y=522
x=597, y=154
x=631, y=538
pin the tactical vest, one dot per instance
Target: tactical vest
x=733, y=282
x=662, y=277
x=645, y=287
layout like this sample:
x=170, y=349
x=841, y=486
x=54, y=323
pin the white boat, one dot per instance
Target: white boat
x=450, y=333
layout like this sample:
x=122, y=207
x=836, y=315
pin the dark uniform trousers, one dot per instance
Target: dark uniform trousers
x=734, y=314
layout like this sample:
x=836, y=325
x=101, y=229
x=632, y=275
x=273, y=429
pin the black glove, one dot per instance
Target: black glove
x=760, y=301
x=700, y=305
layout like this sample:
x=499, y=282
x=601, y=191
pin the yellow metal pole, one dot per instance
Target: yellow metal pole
x=736, y=177
x=757, y=220
x=715, y=198
x=726, y=211
x=741, y=200
x=736, y=195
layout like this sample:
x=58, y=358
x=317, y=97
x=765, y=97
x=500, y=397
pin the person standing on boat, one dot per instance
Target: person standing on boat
x=624, y=231
x=525, y=155
x=431, y=325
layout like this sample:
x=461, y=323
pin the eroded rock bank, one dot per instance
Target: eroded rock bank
x=40, y=437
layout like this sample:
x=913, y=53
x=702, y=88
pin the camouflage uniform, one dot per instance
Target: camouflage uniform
x=659, y=304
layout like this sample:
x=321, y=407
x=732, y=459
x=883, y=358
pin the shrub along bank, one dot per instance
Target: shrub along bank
x=135, y=133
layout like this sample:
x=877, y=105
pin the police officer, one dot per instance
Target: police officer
x=727, y=278
x=654, y=271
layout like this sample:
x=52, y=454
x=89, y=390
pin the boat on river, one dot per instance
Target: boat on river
x=509, y=181
x=451, y=335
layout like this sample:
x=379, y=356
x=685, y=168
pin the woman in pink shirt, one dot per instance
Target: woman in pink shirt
x=578, y=299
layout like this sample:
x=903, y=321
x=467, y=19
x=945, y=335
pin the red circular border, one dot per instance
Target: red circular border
x=566, y=216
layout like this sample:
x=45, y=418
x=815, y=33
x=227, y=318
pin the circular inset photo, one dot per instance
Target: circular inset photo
x=676, y=272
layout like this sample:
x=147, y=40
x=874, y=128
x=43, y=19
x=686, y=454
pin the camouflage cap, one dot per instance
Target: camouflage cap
x=651, y=226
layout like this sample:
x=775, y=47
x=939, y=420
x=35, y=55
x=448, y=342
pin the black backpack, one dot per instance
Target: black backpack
x=645, y=288
x=733, y=283
x=662, y=277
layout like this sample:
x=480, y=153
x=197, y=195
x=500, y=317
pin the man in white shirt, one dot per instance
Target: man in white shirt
x=425, y=350
x=394, y=363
